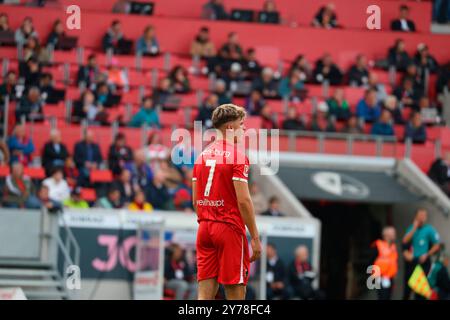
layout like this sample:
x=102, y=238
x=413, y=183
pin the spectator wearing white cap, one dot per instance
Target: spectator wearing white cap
x=221, y=91
x=234, y=77
x=321, y=122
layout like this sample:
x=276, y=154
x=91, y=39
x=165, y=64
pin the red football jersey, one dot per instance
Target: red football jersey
x=216, y=168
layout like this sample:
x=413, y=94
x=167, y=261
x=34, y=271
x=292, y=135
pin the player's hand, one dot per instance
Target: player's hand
x=423, y=258
x=256, y=249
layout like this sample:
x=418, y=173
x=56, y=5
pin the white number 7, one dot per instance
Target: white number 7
x=210, y=163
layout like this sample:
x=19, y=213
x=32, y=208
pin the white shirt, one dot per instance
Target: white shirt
x=404, y=24
x=57, y=191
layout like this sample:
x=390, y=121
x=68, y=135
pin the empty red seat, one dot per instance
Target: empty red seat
x=253, y=122
x=88, y=194
x=102, y=176
x=4, y=171
x=34, y=173
x=58, y=111
x=173, y=118
x=353, y=95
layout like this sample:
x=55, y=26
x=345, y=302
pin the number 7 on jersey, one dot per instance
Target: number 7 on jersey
x=209, y=163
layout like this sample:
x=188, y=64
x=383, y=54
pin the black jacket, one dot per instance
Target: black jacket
x=118, y=155
x=87, y=75
x=50, y=156
x=170, y=269
x=26, y=107
x=159, y=197
x=301, y=280
x=439, y=172
x=80, y=154
x=293, y=124
x=334, y=76
x=357, y=76
x=396, y=25
x=278, y=270
x=399, y=60
x=205, y=116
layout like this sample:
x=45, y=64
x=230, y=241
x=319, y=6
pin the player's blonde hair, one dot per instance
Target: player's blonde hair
x=226, y=113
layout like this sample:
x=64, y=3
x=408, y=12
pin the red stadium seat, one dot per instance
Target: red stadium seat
x=34, y=173
x=4, y=171
x=172, y=118
x=88, y=194
x=353, y=95
x=102, y=176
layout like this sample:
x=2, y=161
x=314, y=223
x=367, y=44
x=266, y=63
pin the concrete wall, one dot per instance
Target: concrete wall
x=106, y=290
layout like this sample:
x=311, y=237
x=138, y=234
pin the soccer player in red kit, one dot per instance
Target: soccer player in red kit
x=222, y=201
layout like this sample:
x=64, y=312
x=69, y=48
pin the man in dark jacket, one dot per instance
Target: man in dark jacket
x=274, y=208
x=87, y=156
x=275, y=276
x=54, y=153
x=30, y=106
x=119, y=154
x=10, y=87
x=358, y=75
x=403, y=23
x=440, y=173
x=301, y=276
x=178, y=276
x=326, y=69
x=157, y=193
x=89, y=72
x=206, y=110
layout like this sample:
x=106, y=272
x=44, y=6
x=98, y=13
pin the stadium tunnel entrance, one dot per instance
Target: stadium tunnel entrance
x=348, y=229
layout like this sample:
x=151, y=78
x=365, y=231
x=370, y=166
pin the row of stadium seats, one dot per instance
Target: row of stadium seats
x=176, y=34
x=350, y=13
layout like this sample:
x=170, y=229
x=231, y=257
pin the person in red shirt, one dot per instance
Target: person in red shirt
x=224, y=207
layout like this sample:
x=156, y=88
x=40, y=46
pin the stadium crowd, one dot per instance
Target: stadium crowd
x=146, y=179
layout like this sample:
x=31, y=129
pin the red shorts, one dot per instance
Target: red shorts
x=222, y=253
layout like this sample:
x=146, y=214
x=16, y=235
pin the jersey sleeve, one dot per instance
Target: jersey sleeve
x=240, y=171
x=433, y=236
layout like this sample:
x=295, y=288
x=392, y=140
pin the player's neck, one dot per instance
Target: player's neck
x=223, y=136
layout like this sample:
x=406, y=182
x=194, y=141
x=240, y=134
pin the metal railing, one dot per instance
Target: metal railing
x=350, y=138
x=68, y=246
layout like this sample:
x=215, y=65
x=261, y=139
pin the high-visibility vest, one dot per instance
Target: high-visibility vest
x=387, y=259
x=418, y=283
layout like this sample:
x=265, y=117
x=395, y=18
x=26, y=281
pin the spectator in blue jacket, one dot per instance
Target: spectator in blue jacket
x=87, y=157
x=383, y=127
x=20, y=146
x=415, y=129
x=148, y=44
x=368, y=107
x=146, y=115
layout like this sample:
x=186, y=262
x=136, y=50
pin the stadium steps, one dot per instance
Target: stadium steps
x=39, y=282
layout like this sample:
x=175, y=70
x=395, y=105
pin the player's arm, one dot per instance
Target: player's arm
x=245, y=205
